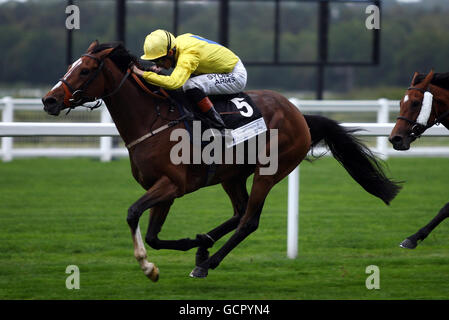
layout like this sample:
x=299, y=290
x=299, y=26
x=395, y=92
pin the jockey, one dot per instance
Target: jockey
x=215, y=69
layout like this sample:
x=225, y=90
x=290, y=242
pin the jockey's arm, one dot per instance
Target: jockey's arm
x=185, y=66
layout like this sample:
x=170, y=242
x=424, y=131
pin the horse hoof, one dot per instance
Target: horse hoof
x=153, y=273
x=408, y=244
x=198, y=272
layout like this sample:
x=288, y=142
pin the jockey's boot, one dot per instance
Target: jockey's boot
x=212, y=115
x=207, y=108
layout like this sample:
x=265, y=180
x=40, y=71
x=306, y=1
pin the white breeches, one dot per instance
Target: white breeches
x=216, y=83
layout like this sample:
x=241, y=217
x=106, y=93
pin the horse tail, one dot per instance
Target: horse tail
x=358, y=160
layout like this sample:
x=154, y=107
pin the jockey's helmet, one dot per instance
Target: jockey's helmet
x=157, y=44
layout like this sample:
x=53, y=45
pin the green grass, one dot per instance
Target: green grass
x=56, y=213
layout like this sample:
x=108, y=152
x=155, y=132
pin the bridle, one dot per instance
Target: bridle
x=76, y=97
x=417, y=128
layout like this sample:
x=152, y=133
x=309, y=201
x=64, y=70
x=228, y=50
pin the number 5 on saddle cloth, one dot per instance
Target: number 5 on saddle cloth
x=238, y=111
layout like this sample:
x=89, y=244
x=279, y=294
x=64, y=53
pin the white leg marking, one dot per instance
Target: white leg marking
x=148, y=268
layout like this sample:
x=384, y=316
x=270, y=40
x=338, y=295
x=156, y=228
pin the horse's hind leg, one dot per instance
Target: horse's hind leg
x=236, y=190
x=162, y=190
x=291, y=152
x=248, y=224
x=412, y=241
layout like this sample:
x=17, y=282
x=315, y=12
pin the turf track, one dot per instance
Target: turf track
x=55, y=213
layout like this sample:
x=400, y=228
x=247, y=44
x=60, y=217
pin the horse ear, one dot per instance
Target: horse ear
x=92, y=46
x=105, y=53
x=428, y=79
x=414, y=78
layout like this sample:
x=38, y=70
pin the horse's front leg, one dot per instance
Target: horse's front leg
x=412, y=241
x=140, y=253
x=239, y=196
x=158, y=215
x=163, y=190
x=236, y=190
x=248, y=224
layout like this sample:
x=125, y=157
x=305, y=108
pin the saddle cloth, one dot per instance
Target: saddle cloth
x=238, y=112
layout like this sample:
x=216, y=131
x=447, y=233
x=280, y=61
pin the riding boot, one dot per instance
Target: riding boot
x=215, y=119
x=207, y=108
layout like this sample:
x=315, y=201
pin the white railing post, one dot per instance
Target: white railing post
x=7, y=116
x=383, y=117
x=293, y=214
x=105, y=142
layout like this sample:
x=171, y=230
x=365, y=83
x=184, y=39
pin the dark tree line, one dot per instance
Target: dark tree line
x=413, y=38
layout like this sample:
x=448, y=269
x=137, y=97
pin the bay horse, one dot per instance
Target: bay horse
x=425, y=104
x=103, y=72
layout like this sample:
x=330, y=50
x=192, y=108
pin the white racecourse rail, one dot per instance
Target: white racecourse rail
x=106, y=130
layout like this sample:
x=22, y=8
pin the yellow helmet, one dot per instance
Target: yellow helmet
x=157, y=44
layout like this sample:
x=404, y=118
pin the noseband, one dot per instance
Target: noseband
x=417, y=128
x=73, y=98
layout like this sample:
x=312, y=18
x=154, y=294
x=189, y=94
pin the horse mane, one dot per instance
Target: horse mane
x=120, y=55
x=440, y=79
x=122, y=58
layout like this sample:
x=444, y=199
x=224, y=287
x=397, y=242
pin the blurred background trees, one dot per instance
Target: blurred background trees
x=414, y=37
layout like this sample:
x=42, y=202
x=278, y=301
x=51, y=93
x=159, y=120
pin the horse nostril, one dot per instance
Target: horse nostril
x=49, y=101
x=396, y=139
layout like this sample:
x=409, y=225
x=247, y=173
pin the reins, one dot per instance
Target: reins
x=171, y=122
x=144, y=88
x=74, y=98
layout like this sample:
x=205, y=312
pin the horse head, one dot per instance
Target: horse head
x=415, y=115
x=83, y=82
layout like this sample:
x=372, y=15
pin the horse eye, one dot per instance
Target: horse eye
x=85, y=72
x=415, y=104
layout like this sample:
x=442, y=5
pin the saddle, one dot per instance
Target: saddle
x=238, y=111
